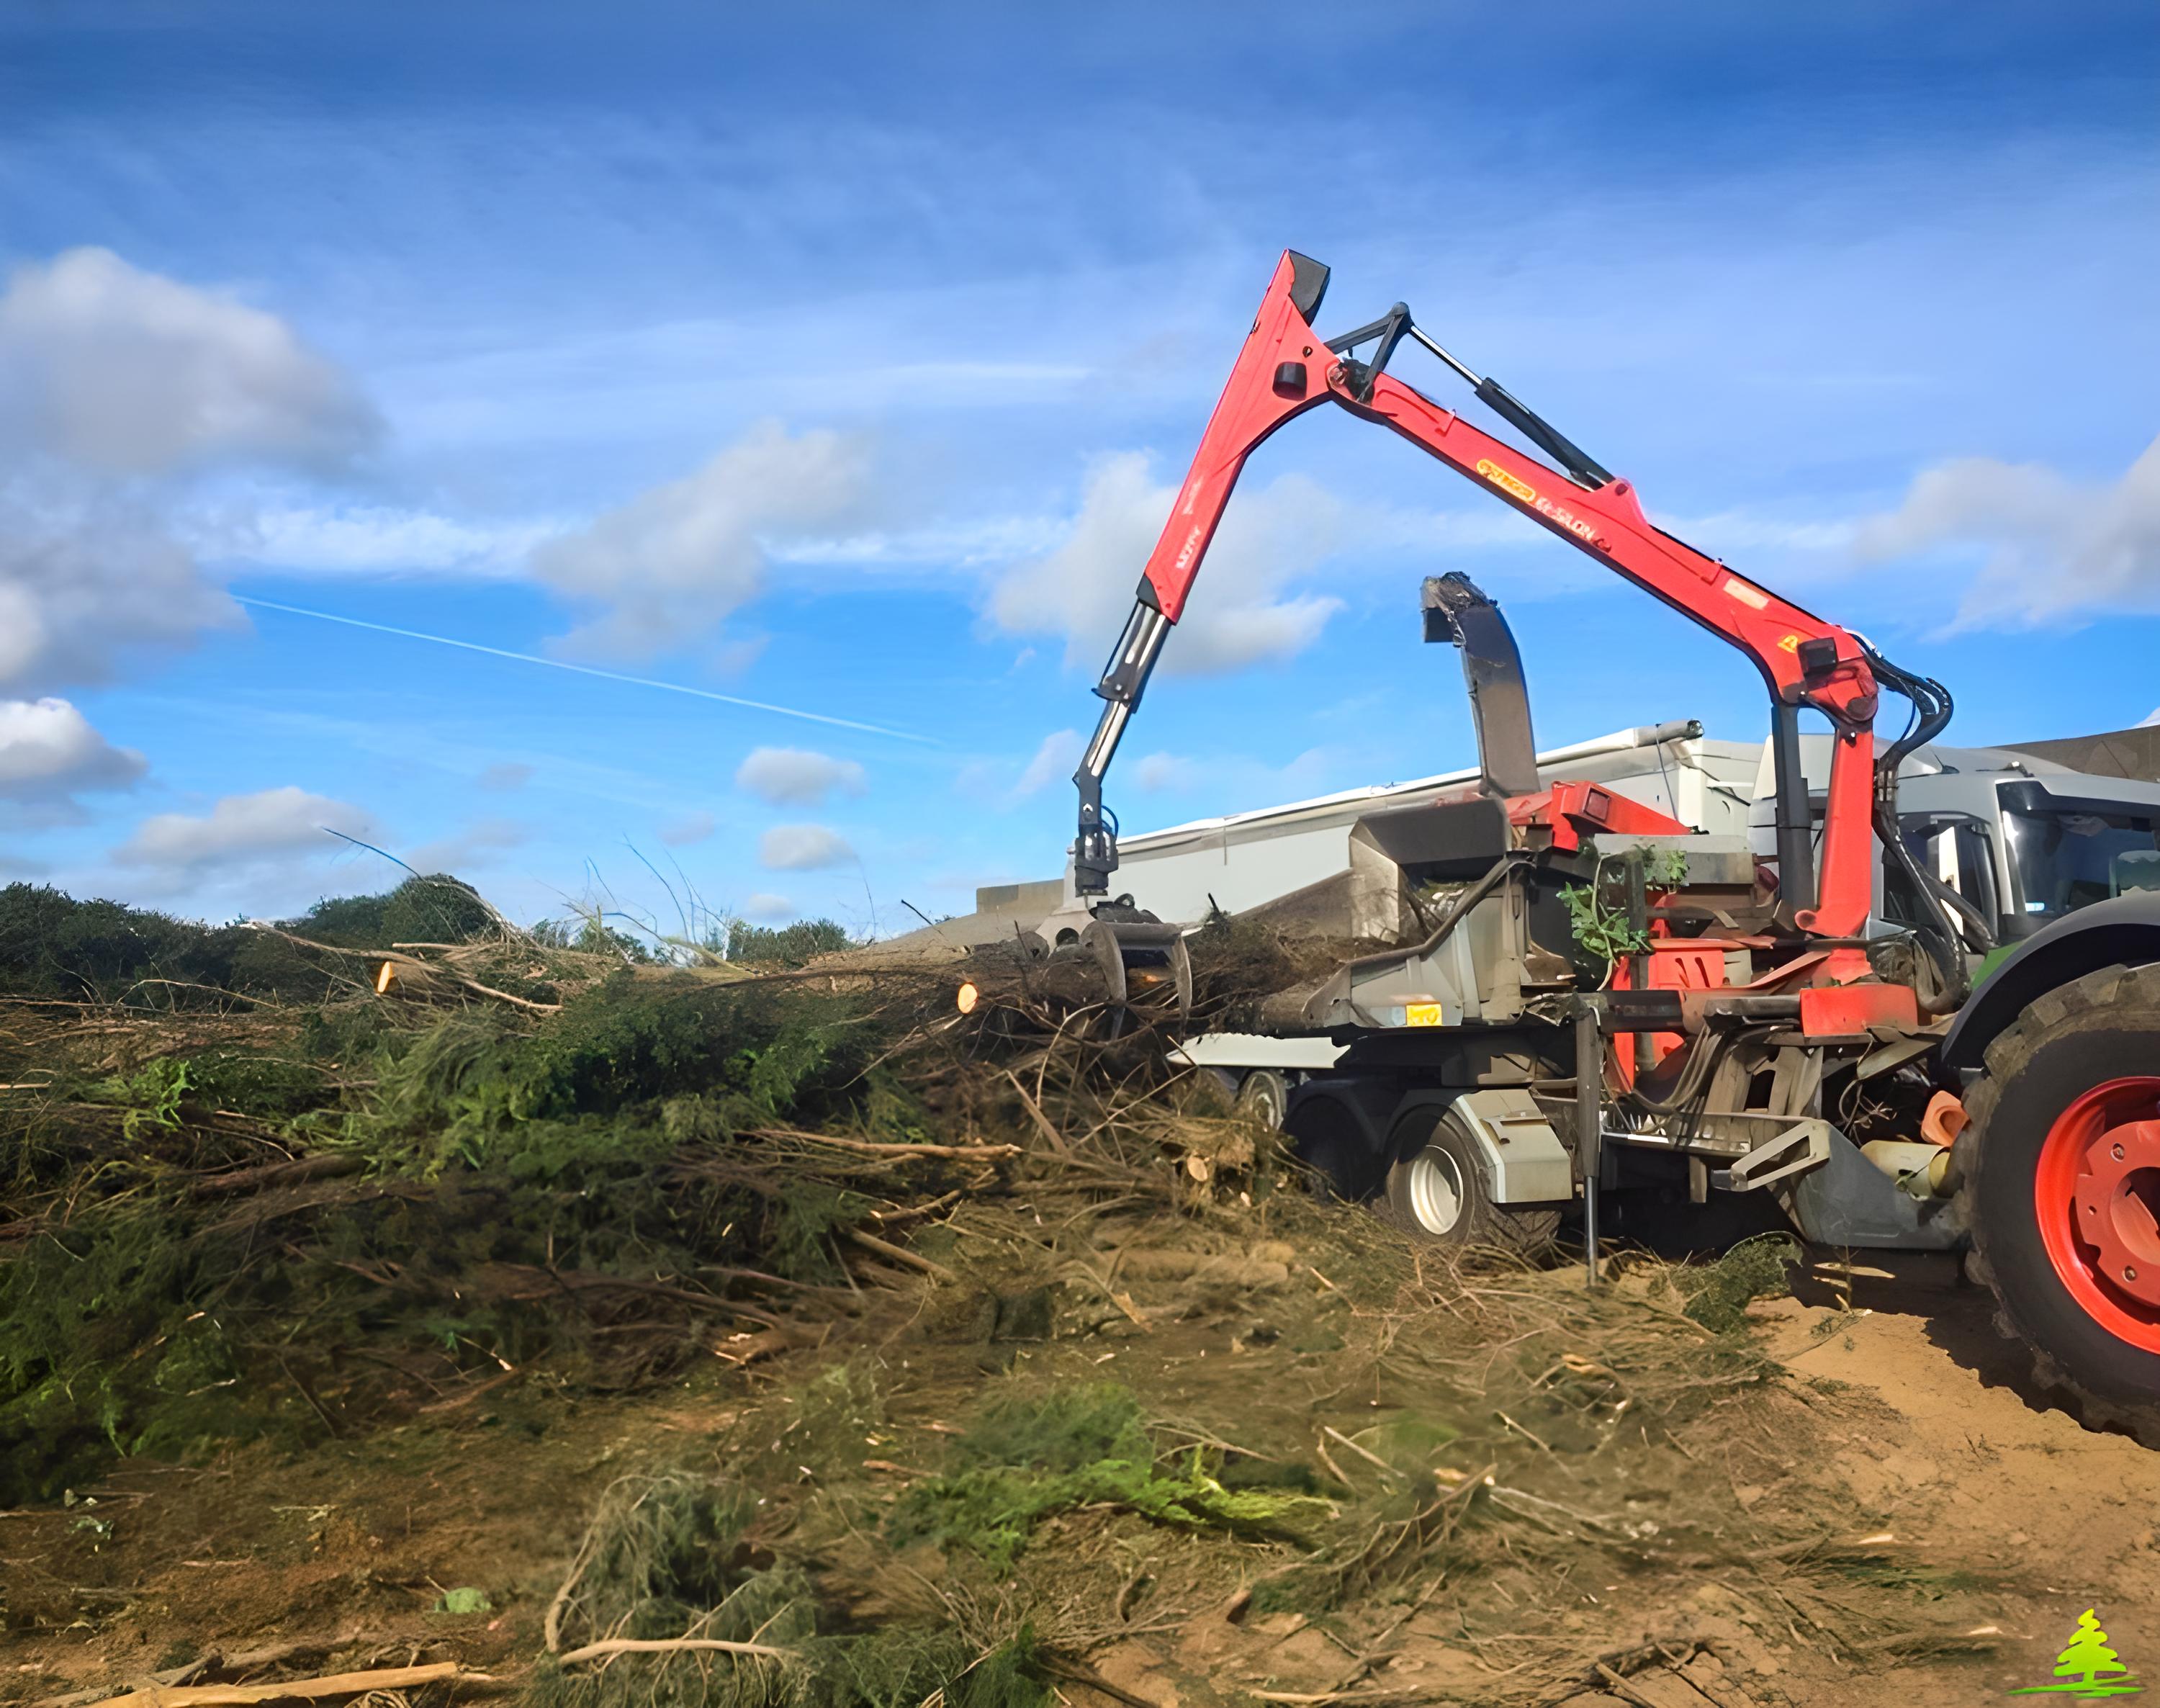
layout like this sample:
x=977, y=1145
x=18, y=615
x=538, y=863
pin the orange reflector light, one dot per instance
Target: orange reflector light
x=967, y=996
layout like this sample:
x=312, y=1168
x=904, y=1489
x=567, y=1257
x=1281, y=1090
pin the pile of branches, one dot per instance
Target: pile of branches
x=286, y=1181
x=305, y=1218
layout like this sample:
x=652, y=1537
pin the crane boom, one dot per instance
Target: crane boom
x=1285, y=369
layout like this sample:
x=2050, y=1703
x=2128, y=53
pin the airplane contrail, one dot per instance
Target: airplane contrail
x=673, y=687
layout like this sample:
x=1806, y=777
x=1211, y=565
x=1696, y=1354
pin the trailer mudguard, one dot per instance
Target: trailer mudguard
x=2123, y=931
x=1525, y=1162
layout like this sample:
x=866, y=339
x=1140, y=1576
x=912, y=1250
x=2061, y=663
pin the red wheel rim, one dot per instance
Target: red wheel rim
x=2094, y=1194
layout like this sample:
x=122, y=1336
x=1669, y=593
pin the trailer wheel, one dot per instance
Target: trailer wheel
x=1263, y=1097
x=1438, y=1192
x=1326, y=1136
x=2060, y=1184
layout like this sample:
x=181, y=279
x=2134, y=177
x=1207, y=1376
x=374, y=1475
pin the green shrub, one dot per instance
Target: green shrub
x=588, y=935
x=784, y=945
x=680, y=1055
x=433, y=910
x=52, y=945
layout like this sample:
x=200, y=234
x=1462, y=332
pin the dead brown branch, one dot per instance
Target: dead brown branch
x=395, y=1678
x=673, y=1645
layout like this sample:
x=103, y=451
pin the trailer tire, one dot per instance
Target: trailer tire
x=1333, y=1141
x=1264, y=1096
x=2080, y=1063
x=1438, y=1192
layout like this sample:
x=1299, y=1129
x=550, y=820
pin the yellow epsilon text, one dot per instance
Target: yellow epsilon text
x=1505, y=481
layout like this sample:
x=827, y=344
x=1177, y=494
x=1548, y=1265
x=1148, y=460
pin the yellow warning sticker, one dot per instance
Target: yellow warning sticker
x=1421, y=1013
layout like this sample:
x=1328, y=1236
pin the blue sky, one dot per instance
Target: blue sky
x=841, y=359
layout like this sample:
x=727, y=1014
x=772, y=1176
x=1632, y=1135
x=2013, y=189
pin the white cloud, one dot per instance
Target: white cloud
x=998, y=783
x=128, y=372
x=364, y=539
x=86, y=582
x=1241, y=611
x=1156, y=772
x=1233, y=782
x=2052, y=548
x=798, y=776
x=688, y=829
x=668, y=568
x=801, y=848
x=242, y=829
x=767, y=907
x=49, y=752
x=505, y=775
x=1059, y=752
x=475, y=845
x=109, y=374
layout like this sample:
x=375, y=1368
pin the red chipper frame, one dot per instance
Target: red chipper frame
x=1285, y=369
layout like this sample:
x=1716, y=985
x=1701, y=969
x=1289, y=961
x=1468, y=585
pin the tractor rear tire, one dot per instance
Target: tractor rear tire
x=2074, y=1083
x=1438, y=1194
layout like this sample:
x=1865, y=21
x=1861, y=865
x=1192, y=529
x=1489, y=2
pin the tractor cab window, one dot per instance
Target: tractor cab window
x=2065, y=854
x=1953, y=847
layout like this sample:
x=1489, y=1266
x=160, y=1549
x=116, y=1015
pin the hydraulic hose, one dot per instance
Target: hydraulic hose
x=1932, y=706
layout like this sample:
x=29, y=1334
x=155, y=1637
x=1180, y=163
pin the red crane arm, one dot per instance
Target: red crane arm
x=1285, y=369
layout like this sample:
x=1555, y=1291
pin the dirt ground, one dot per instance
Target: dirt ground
x=1928, y=1433
x=1980, y=1471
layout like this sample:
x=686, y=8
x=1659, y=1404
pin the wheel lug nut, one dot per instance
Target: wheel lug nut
x=2128, y=1273
x=2118, y=1153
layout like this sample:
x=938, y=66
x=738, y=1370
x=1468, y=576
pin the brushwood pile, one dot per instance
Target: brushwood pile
x=1021, y=1366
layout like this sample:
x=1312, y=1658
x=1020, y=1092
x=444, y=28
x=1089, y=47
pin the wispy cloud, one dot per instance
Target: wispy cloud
x=2050, y=548
x=802, y=848
x=1083, y=589
x=795, y=776
x=129, y=372
x=1003, y=783
x=49, y=755
x=241, y=829
x=475, y=846
x=668, y=568
x=361, y=539
x=687, y=829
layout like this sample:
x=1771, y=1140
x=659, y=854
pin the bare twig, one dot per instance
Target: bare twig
x=435, y=968
x=673, y=1645
x=872, y=1147
x=1365, y=1453
x=901, y=1254
x=395, y=1678
x=326, y=1166
x=1042, y=1122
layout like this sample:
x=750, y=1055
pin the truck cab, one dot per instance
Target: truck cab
x=2024, y=841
